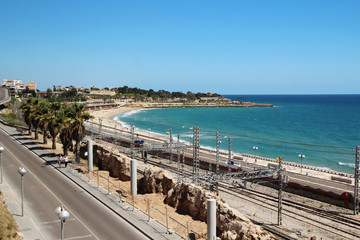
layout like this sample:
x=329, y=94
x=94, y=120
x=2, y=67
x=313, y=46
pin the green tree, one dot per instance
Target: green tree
x=28, y=112
x=48, y=93
x=44, y=118
x=66, y=131
x=55, y=121
x=78, y=116
x=35, y=117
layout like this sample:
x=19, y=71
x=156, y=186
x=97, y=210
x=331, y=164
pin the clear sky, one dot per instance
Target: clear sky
x=228, y=47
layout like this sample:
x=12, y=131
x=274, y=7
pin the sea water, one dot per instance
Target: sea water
x=324, y=128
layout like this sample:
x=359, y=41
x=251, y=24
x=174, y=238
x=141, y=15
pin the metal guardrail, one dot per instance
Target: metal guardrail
x=303, y=166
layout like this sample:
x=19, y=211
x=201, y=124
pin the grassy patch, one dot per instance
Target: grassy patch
x=8, y=225
x=11, y=119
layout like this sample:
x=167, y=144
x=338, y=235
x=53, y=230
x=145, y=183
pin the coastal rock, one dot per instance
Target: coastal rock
x=105, y=158
x=156, y=180
x=197, y=104
x=186, y=198
x=191, y=199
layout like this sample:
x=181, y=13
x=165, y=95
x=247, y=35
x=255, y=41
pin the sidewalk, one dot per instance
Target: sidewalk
x=138, y=219
x=27, y=227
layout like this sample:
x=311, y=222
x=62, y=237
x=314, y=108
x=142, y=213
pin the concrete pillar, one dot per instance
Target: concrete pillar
x=211, y=219
x=90, y=155
x=133, y=175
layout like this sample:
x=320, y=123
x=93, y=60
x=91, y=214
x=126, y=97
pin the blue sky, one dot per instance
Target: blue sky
x=228, y=47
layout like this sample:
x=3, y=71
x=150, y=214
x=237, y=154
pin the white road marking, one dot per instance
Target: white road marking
x=80, y=237
x=56, y=221
x=49, y=190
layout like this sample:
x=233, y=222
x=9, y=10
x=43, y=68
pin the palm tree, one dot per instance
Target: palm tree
x=79, y=116
x=35, y=120
x=44, y=118
x=28, y=110
x=67, y=128
x=55, y=121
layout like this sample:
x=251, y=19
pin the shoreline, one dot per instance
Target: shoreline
x=309, y=170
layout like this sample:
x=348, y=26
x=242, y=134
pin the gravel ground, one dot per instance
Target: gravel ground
x=296, y=226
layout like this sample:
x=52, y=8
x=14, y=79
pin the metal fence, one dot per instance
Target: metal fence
x=114, y=186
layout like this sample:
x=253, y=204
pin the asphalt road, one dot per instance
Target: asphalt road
x=4, y=95
x=46, y=188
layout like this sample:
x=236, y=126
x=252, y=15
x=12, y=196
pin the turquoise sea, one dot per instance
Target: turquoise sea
x=325, y=128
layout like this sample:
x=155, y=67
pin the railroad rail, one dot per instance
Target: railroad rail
x=343, y=227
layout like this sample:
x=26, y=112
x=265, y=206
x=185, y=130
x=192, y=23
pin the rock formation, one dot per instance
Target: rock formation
x=185, y=198
x=156, y=181
x=105, y=158
x=192, y=200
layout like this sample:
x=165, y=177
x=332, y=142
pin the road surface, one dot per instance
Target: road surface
x=46, y=188
x=4, y=95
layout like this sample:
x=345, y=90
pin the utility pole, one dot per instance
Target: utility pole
x=100, y=124
x=178, y=158
x=279, y=160
x=183, y=162
x=171, y=145
x=132, y=140
x=196, y=146
x=356, y=188
x=229, y=160
x=92, y=129
x=210, y=162
x=217, y=151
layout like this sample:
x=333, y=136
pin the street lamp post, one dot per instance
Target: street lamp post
x=1, y=168
x=301, y=156
x=63, y=216
x=22, y=172
x=255, y=148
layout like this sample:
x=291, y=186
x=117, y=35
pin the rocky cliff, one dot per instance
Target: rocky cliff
x=192, y=200
x=108, y=158
x=185, y=198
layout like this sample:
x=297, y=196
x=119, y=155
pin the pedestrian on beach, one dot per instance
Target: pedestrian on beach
x=66, y=161
x=59, y=160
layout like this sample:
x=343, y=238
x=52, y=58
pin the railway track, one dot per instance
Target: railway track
x=343, y=227
x=338, y=225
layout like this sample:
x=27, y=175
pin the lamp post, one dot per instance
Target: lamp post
x=301, y=156
x=63, y=216
x=1, y=168
x=22, y=172
x=255, y=148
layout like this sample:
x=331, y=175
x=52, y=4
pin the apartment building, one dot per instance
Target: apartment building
x=17, y=85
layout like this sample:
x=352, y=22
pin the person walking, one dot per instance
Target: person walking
x=66, y=161
x=59, y=160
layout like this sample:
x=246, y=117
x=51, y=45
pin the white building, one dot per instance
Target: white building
x=17, y=85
